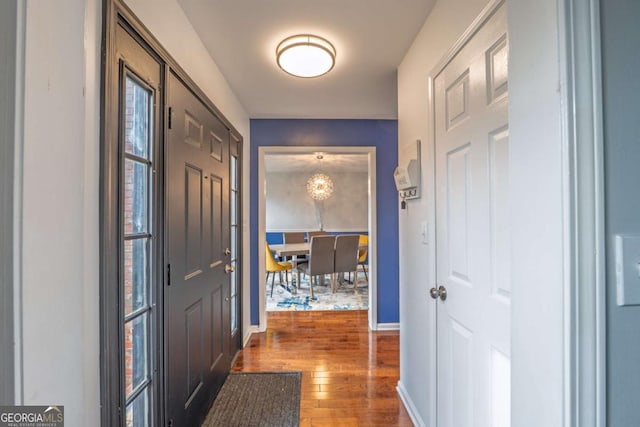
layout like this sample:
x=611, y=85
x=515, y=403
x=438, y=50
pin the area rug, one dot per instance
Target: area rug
x=257, y=399
x=344, y=299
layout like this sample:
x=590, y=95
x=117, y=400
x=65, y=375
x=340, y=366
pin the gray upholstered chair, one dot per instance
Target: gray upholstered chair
x=321, y=258
x=346, y=256
x=293, y=237
x=310, y=234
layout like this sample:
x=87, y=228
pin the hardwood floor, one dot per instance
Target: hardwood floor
x=349, y=374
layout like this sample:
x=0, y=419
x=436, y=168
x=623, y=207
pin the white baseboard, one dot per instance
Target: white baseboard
x=409, y=406
x=388, y=326
x=252, y=329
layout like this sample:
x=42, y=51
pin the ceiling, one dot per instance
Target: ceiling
x=371, y=38
x=308, y=162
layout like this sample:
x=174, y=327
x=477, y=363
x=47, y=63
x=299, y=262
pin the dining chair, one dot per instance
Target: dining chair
x=274, y=267
x=321, y=258
x=295, y=237
x=346, y=256
x=362, y=256
x=310, y=234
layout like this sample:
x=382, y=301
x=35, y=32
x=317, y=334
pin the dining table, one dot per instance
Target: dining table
x=294, y=250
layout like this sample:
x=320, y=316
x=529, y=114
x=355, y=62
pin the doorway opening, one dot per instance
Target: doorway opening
x=274, y=161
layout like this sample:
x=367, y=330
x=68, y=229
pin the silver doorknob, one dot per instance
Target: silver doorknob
x=228, y=269
x=440, y=292
x=443, y=293
x=227, y=251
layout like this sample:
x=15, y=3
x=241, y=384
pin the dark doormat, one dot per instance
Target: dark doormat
x=263, y=399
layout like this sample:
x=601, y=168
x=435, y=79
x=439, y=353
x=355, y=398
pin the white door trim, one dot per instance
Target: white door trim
x=372, y=220
x=585, y=293
x=477, y=23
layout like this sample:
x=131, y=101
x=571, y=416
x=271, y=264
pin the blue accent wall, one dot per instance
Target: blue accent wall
x=382, y=134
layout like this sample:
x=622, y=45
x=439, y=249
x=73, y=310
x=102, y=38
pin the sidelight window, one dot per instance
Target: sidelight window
x=137, y=242
x=235, y=233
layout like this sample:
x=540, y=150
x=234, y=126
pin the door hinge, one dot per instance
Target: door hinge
x=168, y=274
x=169, y=117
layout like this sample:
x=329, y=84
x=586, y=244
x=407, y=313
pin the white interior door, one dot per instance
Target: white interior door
x=472, y=177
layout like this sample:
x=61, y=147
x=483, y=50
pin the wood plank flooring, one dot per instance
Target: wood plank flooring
x=349, y=375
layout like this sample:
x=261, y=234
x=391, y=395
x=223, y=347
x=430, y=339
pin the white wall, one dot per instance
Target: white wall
x=443, y=27
x=59, y=309
x=58, y=312
x=536, y=181
x=289, y=207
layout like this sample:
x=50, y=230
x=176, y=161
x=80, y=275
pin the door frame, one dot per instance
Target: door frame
x=585, y=240
x=372, y=220
x=584, y=306
x=116, y=12
x=11, y=93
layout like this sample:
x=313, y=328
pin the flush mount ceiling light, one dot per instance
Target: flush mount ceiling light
x=306, y=55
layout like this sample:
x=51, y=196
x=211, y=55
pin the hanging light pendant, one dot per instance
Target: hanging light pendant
x=320, y=187
x=306, y=55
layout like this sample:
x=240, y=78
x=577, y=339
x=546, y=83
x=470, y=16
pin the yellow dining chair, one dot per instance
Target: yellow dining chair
x=274, y=267
x=362, y=256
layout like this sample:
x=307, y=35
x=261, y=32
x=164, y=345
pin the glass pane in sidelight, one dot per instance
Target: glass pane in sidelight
x=234, y=314
x=135, y=352
x=137, y=119
x=234, y=242
x=233, y=291
x=135, y=274
x=234, y=173
x=136, y=197
x=138, y=411
x=234, y=208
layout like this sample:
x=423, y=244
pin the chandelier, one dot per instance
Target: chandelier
x=320, y=187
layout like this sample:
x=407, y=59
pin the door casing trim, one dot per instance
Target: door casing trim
x=585, y=239
x=372, y=220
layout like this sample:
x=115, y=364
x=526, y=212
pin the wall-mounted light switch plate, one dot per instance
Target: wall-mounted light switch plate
x=627, y=251
x=424, y=232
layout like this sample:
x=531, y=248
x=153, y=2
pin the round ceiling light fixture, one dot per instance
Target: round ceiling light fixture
x=306, y=55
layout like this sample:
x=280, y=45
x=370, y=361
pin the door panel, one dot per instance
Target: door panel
x=193, y=222
x=197, y=300
x=458, y=210
x=194, y=348
x=472, y=206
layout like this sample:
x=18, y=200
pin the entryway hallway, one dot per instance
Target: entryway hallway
x=349, y=374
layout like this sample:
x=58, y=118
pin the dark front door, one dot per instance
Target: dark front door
x=197, y=297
